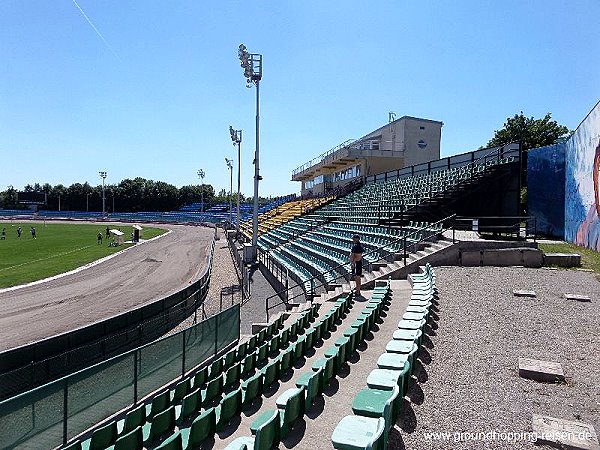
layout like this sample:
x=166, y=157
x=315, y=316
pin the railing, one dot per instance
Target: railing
x=388, y=252
x=523, y=227
x=322, y=157
x=461, y=160
x=34, y=364
x=53, y=414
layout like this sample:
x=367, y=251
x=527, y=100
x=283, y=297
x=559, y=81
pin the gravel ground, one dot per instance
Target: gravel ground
x=469, y=380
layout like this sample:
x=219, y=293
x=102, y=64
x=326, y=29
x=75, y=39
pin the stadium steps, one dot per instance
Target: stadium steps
x=397, y=269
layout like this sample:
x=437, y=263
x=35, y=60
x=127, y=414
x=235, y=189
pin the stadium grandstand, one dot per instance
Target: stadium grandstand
x=327, y=366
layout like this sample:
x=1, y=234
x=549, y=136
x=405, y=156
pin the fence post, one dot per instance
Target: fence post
x=135, y=376
x=183, y=355
x=65, y=409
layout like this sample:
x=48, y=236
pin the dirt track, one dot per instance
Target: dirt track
x=136, y=276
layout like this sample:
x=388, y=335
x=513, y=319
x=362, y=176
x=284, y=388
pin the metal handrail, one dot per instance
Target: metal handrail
x=380, y=251
x=321, y=157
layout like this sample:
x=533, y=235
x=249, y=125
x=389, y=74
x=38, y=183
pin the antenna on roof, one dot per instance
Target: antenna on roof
x=391, y=116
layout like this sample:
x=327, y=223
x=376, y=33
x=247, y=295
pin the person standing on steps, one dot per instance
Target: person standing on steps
x=356, y=261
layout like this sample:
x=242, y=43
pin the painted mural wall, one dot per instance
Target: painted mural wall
x=546, y=188
x=582, y=192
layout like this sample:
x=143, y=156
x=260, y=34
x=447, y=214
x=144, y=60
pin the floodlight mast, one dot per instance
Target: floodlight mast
x=236, y=138
x=103, y=176
x=252, y=65
x=229, y=163
x=201, y=175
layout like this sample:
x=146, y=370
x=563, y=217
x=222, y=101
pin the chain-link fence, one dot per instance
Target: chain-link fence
x=52, y=414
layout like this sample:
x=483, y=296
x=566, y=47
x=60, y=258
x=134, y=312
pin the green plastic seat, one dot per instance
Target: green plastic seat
x=408, y=335
x=285, y=360
x=266, y=430
x=291, y=407
x=274, y=345
x=399, y=346
x=411, y=324
x=232, y=375
x=181, y=390
x=190, y=404
x=242, y=351
x=311, y=383
x=101, y=438
x=229, y=359
x=378, y=403
x=162, y=424
x=328, y=367
x=309, y=337
x=284, y=338
x=262, y=337
x=173, y=442
x=201, y=377
x=216, y=368
x=248, y=364
x=133, y=440
x=384, y=379
x=252, y=344
x=230, y=406
x=134, y=418
x=334, y=353
x=358, y=432
x=299, y=348
x=270, y=373
x=252, y=388
x=203, y=427
x=160, y=402
x=351, y=334
x=262, y=354
x=214, y=389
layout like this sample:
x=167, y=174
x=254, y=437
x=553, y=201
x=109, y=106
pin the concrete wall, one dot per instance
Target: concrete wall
x=546, y=188
x=421, y=141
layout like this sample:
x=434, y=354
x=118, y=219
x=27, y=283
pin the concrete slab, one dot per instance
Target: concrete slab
x=564, y=433
x=562, y=259
x=539, y=370
x=578, y=297
x=524, y=293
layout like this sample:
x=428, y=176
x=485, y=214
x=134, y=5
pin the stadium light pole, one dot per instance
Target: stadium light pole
x=252, y=65
x=201, y=175
x=103, y=176
x=236, y=138
x=229, y=163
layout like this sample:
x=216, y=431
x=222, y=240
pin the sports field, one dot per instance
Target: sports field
x=57, y=248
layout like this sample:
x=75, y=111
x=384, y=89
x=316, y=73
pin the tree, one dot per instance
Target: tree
x=531, y=132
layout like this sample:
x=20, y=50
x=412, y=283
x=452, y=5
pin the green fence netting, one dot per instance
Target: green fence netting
x=49, y=416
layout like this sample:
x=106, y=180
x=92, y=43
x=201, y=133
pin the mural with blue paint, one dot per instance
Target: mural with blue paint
x=546, y=188
x=582, y=192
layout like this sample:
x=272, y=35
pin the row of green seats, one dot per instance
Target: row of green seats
x=377, y=407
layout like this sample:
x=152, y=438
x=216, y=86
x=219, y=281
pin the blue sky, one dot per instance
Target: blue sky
x=156, y=100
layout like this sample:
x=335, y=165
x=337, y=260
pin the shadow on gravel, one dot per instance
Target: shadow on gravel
x=424, y=356
x=420, y=372
x=415, y=393
x=395, y=440
x=434, y=316
x=427, y=342
x=230, y=428
x=334, y=386
x=407, y=420
x=254, y=407
x=272, y=390
x=317, y=408
x=296, y=434
x=354, y=357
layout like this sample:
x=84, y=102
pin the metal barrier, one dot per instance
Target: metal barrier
x=53, y=414
x=515, y=226
x=32, y=365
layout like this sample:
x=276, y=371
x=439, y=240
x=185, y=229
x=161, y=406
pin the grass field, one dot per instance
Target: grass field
x=58, y=248
x=589, y=258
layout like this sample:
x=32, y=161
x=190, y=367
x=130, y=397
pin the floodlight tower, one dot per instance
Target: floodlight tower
x=201, y=175
x=103, y=176
x=252, y=65
x=236, y=138
x=229, y=163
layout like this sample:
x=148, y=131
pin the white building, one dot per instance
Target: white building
x=400, y=143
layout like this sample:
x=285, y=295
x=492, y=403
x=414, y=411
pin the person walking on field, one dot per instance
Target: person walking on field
x=107, y=232
x=3, y=235
x=99, y=238
x=19, y=232
x=356, y=261
x=33, y=233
